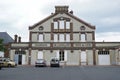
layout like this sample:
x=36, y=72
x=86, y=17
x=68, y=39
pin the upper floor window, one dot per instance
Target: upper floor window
x=67, y=37
x=40, y=38
x=61, y=38
x=55, y=37
x=61, y=24
x=82, y=37
x=67, y=25
x=55, y=25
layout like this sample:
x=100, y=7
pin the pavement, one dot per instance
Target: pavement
x=61, y=73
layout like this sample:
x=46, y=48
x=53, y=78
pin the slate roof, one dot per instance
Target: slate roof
x=6, y=37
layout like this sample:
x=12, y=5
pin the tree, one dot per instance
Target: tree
x=2, y=48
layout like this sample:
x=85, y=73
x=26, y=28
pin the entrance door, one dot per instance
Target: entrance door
x=19, y=59
x=83, y=58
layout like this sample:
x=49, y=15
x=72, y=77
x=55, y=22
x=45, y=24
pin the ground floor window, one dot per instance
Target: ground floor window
x=62, y=55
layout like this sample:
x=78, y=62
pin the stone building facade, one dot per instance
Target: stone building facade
x=64, y=36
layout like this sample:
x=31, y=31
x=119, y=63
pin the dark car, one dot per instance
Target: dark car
x=40, y=63
x=54, y=62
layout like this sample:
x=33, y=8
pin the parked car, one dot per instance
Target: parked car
x=6, y=62
x=54, y=62
x=40, y=63
x=1, y=64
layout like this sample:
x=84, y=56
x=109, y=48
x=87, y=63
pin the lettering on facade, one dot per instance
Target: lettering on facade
x=61, y=45
x=41, y=45
x=83, y=45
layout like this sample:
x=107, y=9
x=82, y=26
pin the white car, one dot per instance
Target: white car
x=40, y=63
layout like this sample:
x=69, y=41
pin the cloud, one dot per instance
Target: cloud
x=108, y=36
x=17, y=15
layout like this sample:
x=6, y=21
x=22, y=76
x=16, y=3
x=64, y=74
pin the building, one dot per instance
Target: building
x=7, y=39
x=66, y=37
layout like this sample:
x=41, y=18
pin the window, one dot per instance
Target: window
x=82, y=37
x=55, y=37
x=55, y=25
x=67, y=37
x=67, y=25
x=61, y=38
x=61, y=26
x=40, y=38
x=40, y=55
x=61, y=56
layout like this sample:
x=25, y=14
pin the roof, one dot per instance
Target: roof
x=67, y=13
x=6, y=37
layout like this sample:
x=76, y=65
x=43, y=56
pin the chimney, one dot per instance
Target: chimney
x=61, y=9
x=15, y=38
x=71, y=12
x=19, y=39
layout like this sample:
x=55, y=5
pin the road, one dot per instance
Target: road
x=62, y=73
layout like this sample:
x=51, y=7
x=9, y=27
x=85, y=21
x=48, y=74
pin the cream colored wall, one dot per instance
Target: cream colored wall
x=96, y=56
x=76, y=37
x=48, y=55
x=27, y=56
x=33, y=56
x=34, y=37
x=89, y=57
x=12, y=53
x=112, y=57
x=47, y=37
x=89, y=37
x=73, y=58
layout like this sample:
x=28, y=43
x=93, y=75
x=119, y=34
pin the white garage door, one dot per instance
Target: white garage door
x=103, y=58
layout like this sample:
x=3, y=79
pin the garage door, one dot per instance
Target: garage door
x=103, y=58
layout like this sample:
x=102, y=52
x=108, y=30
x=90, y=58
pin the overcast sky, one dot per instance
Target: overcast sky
x=17, y=15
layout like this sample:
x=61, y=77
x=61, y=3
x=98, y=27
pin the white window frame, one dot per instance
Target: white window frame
x=40, y=38
x=61, y=38
x=67, y=37
x=55, y=25
x=83, y=37
x=67, y=25
x=61, y=24
x=40, y=55
x=55, y=37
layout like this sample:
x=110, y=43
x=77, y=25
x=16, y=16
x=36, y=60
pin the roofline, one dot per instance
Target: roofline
x=80, y=20
x=71, y=15
x=40, y=22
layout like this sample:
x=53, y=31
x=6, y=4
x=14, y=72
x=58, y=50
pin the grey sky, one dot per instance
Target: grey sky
x=17, y=15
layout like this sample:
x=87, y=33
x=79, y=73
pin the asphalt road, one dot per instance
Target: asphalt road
x=66, y=73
